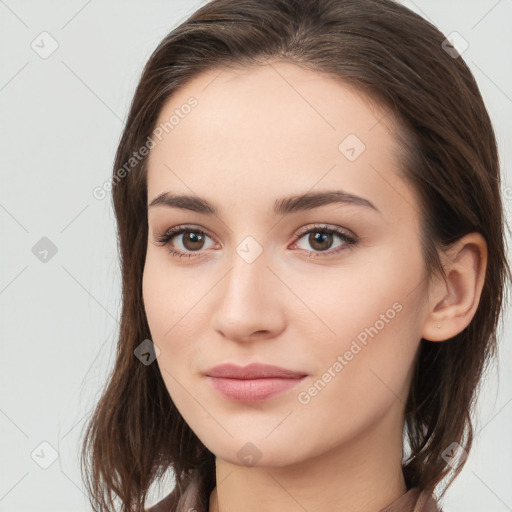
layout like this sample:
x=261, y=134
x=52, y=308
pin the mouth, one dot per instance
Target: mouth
x=252, y=383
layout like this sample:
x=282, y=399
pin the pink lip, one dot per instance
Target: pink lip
x=252, y=371
x=253, y=382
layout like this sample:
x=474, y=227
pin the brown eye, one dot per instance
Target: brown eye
x=184, y=241
x=320, y=240
x=193, y=240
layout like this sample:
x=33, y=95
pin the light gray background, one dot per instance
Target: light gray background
x=61, y=119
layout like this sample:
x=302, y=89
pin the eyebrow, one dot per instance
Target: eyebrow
x=283, y=206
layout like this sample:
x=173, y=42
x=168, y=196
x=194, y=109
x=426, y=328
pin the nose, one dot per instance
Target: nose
x=249, y=302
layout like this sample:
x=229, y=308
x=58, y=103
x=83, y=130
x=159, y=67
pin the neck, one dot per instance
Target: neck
x=363, y=475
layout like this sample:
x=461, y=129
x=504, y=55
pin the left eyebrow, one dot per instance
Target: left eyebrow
x=283, y=206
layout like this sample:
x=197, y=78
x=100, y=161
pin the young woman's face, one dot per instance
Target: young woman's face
x=330, y=287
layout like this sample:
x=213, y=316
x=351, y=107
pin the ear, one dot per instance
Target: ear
x=453, y=300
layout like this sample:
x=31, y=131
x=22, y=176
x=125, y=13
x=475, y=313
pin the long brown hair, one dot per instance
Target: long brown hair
x=449, y=156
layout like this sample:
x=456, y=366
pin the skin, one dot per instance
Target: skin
x=258, y=134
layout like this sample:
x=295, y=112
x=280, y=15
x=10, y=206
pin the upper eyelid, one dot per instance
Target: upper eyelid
x=328, y=227
x=178, y=230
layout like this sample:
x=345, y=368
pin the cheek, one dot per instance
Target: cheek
x=162, y=313
x=360, y=378
x=371, y=326
x=355, y=301
x=156, y=302
x=172, y=308
x=169, y=294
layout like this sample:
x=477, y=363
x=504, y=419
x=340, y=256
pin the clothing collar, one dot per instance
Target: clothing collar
x=412, y=501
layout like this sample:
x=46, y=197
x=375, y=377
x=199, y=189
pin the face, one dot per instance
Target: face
x=330, y=287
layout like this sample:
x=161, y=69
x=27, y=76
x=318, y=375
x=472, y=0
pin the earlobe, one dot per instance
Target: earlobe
x=455, y=298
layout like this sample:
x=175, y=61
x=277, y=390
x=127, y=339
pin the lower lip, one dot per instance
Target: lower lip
x=253, y=390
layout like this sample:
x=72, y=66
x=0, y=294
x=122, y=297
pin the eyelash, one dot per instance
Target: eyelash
x=168, y=235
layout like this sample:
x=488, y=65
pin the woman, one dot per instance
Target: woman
x=311, y=236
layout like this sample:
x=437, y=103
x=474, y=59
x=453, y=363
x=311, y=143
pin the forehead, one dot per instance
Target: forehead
x=271, y=128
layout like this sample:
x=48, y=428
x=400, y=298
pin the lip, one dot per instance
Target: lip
x=252, y=383
x=252, y=371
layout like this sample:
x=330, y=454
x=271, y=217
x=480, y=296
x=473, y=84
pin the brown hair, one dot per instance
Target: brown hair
x=449, y=157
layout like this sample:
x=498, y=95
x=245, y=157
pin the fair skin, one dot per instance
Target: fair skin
x=256, y=135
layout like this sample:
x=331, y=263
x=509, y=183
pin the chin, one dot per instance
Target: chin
x=255, y=452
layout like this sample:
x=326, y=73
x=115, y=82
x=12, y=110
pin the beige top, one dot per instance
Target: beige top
x=412, y=501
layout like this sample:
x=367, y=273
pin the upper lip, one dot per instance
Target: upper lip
x=252, y=371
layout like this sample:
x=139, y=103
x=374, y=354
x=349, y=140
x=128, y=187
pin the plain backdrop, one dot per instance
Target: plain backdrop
x=61, y=118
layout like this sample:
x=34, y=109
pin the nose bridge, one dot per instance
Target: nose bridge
x=248, y=278
x=248, y=260
x=247, y=301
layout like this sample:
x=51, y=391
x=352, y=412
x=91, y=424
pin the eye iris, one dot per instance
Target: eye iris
x=319, y=237
x=194, y=238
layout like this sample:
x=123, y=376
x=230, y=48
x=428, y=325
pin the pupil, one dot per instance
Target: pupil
x=193, y=238
x=318, y=237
